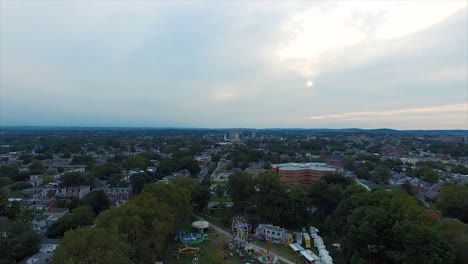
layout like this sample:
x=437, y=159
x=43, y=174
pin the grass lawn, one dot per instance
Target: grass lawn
x=210, y=252
x=284, y=251
x=220, y=217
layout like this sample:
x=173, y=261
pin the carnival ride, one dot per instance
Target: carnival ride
x=240, y=228
x=192, y=238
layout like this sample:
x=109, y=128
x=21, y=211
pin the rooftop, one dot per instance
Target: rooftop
x=319, y=166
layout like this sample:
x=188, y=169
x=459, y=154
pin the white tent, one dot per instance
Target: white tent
x=200, y=224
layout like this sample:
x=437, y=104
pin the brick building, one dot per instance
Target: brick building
x=295, y=174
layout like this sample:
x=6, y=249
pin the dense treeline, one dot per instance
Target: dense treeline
x=378, y=226
x=17, y=241
x=136, y=232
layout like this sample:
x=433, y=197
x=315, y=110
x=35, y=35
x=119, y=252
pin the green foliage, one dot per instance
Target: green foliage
x=105, y=170
x=20, y=241
x=82, y=160
x=241, y=186
x=18, y=186
x=201, y=196
x=26, y=215
x=454, y=202
x=84, y=215
x=47, y=179
x=456, y=233
x=80, y=217
x=138, y=181
x=36, y=167
x=380, y=175
x=92, y=245
x=326, y=196
x=77, y=179
x=62, y=225
x=149, y=220
x=189, y=164
x=459, y=169
x=178, y=198
x=423, y=245
x=136, y=162
x=271, y=198
x=4, y=181
x=10, y=170
x=97, y=201
x=116, y=180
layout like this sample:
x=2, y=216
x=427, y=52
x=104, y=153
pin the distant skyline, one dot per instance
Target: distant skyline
x=212, y=64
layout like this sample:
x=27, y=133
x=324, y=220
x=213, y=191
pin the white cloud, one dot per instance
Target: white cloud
x=317, y=34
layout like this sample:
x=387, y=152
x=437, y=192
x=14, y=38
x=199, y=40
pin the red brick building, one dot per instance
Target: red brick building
x=302, y=174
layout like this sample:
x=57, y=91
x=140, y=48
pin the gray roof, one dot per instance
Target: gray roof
x=318, y=166
x=42, y=258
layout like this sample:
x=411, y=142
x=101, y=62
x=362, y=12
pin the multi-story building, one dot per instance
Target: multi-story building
x=294, y=174
x=118, y=194
x=73, y=192
x=235, y=135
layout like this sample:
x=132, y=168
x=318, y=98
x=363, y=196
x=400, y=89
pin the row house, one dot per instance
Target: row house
x=118, y=194
x=73, y=192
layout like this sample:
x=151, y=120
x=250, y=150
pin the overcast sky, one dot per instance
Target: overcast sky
x=369, y=64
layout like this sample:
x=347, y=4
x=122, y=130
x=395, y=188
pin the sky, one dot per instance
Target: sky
x=222, y=64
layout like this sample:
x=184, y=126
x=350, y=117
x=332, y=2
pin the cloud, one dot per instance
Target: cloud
x=423, y=111
x=228, y=64
x=319, y=32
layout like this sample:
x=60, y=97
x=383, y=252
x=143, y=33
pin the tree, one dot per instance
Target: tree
x=423, y=245
x=62, y=225
x=380, y=174
x=456, y=233
x=201, y=196
x=454, y=202
x=105, y=170
x=36, y=167
x=20, y=186
x=84, y=215
x=4, y=181
x=297, y=204
x=21, y=241
x=116, y=180
x=97, y=201
x=136, y=162
x=146, y=222
x=241, y=186
x=271, y=198
x=362, y=229
x=138, y=181
x=178, y=199
x=189, y=164
x=77, y=179
x=92, y=245
x=10, y=170
x=406, y=186
x=47, y=179
x=82, y=160
x=26, y=215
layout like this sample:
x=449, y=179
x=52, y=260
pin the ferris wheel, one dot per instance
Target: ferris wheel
x=240, y=228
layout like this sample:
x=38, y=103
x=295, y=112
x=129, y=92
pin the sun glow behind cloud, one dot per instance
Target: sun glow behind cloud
x=333, y=27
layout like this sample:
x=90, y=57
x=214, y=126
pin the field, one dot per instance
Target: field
x=211, y=251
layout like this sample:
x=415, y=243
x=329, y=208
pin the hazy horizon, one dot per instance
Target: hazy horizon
x=323, y=64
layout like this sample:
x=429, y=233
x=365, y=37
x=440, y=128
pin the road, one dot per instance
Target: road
x=220, y=230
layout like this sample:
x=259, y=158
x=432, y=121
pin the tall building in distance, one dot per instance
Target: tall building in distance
x=302, y=174
x=235, y=135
